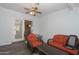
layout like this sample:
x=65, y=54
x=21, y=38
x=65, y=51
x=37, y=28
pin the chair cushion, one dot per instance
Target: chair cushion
x=33, y=40
x=31, y=37
x=36, y=43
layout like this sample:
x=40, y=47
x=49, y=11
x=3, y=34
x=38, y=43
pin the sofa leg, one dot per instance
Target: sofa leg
x=78, y=50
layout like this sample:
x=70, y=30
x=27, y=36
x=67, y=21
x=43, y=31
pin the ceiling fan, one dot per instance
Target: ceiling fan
x=34, y=10
x=69, y=6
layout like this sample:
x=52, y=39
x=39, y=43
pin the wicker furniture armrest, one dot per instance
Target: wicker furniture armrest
x=40, y=40
x=49, y=40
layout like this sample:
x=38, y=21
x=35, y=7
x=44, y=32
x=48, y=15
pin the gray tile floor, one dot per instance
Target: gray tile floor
x=17, y=48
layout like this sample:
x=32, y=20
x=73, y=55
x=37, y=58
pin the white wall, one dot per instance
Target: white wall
x=7, y=19
x=61, y=22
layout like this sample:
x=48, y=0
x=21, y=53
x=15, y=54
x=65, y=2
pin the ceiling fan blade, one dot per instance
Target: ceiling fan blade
x=69, y=6
x=26, y=12
x=39, y=12
x=37, y=3
x=26, y=8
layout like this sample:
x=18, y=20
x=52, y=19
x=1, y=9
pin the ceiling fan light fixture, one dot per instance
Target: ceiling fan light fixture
x=34, y=10
x=33, y=13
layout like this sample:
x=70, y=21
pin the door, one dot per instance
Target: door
x=27, y=27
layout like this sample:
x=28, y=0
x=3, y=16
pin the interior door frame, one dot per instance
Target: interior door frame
x=23, y=28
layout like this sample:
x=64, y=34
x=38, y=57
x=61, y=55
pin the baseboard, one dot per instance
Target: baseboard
x=15, y=40
x=5, y=43
x=8, y=43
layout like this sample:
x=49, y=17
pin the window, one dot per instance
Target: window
x=18, y=29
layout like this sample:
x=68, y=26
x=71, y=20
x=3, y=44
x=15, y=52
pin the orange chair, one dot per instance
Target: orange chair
x=33, y=41
x=61, y=42
x=32, y=38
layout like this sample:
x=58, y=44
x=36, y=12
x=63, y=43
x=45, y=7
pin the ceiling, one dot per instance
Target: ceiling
x=45, y=8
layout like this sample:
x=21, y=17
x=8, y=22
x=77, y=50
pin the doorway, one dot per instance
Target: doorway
x=27, y=27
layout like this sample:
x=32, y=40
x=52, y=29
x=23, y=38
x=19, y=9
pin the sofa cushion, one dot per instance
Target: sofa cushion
x=55, y=44
x=60, y=39
x=59, y=46
x=70, y=51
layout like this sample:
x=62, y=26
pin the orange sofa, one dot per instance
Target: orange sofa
x=60, y=42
